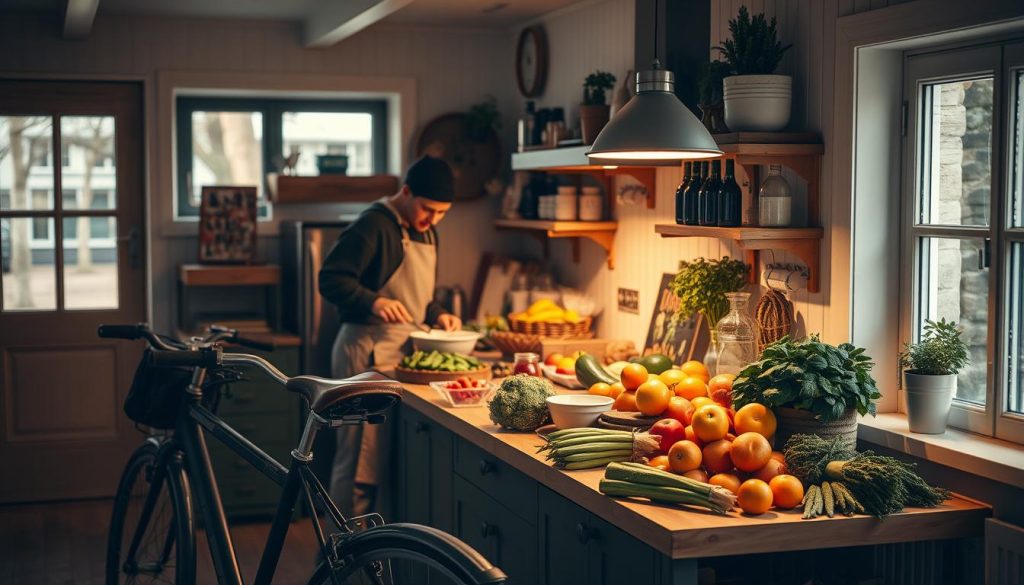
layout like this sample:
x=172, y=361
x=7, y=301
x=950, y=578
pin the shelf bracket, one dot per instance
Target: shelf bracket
x=806, y=250
x=604, y=239
x=646, y=175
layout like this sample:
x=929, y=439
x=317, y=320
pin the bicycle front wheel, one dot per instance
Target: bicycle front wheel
x=151, y=537
x=366, y=558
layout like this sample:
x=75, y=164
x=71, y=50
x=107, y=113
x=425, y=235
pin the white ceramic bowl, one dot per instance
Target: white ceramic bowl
x=569, y=411
x=453, y=341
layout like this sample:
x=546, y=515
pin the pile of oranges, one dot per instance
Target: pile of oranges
x=704, y=439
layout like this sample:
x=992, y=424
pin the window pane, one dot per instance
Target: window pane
x=953, y=287
x=1015, y=334
x=29, y=279
x=26, y=145
x=90, y=265
x=90, y=165
x=955, y=159
x=1017, y=162
x=313, y=133
x=227, y=149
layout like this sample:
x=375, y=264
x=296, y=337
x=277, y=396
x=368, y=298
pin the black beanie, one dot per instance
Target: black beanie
x=431, y=178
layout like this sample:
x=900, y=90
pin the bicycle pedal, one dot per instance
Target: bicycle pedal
x=364, y=522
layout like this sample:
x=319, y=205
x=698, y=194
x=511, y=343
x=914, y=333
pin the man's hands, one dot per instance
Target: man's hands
x=449, y=322
x=391, y=311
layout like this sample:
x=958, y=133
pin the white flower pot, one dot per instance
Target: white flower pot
x=928, y=401
x=757, y=103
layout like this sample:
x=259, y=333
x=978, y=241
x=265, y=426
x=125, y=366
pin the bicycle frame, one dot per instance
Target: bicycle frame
x=189, y=440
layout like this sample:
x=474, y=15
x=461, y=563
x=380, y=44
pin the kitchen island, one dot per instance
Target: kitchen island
x=461, y=473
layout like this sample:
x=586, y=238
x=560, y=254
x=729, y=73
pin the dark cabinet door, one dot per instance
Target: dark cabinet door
x=563, y=528
x=616, y=557
x=504, y=538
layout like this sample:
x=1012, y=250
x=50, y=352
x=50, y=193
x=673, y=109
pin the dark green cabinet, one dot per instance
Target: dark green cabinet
x=503, y=537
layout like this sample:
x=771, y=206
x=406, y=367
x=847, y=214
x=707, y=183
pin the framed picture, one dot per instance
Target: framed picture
x=680, y=338
x=227, y=225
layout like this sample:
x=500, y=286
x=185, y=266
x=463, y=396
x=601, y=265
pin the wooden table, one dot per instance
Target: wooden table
x=688, y=533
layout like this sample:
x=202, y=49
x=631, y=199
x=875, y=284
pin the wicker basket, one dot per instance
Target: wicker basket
x=793, y=421
x=544, y=329
x=510, y=343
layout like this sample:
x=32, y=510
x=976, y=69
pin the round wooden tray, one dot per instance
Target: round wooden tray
x=428, y=376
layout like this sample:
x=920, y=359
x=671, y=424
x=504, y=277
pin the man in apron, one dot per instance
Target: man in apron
x=380, y=274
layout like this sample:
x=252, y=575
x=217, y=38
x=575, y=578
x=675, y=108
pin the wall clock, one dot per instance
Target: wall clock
x=532, y=61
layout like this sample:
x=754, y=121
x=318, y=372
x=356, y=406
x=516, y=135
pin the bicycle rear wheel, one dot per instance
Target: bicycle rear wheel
x=164, y=541
x=367, y=557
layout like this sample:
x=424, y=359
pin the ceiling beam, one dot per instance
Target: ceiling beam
x=333, y=20
x=78, y=18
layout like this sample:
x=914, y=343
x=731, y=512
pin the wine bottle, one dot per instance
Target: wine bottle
x=707, y=199
x=690, y=216
x=730, y=198
x=680, y=194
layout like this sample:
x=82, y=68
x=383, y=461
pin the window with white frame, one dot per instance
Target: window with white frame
x=237, y=141
x=962, y=227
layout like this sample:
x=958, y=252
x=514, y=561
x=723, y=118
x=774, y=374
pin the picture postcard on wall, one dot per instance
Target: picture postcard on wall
x=227, y=225
x=680, y=337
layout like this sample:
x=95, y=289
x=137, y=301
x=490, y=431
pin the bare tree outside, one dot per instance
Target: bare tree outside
x=226, y=144
x=95, y=137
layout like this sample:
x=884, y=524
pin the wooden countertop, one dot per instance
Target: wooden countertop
x=692, y=533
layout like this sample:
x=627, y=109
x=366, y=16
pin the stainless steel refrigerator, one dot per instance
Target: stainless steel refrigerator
x=304, y=245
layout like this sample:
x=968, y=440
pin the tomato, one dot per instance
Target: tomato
x=670, y=431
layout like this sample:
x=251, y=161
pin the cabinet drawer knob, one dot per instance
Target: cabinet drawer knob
x=421, y=427
x=486, y=467
x=487, y=529
x=583, y=533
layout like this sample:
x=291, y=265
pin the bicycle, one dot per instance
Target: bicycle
x=171, y=469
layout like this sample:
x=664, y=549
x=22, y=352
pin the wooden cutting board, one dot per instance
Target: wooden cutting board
x=626, y=420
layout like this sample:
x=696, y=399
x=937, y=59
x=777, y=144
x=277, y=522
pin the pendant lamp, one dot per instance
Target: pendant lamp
x=654, y=128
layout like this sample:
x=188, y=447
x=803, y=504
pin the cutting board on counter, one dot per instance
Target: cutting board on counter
x=493, y=278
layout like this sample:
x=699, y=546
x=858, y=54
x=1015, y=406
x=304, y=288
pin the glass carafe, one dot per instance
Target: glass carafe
x=736, y=336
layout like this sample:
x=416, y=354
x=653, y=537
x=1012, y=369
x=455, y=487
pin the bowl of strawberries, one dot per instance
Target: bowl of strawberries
x=464, y=391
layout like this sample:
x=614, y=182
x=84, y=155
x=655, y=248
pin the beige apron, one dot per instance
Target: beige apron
x=362, y=457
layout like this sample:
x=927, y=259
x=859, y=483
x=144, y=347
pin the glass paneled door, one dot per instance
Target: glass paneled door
x=71, y=246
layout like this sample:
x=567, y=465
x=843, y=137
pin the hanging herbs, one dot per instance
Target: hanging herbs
x=701, y=286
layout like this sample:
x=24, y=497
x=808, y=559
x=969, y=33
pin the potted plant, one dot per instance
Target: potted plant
x=594, y=112
x=929, y=368
x=755, y=99
x=710, y=93
x=702, y=286
x=813, y=387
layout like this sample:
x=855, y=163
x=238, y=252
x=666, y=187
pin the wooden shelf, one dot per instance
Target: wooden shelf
x=574, y=159
x=285, y=189
x=213, y=275
x=600, y=232
x=804, y=242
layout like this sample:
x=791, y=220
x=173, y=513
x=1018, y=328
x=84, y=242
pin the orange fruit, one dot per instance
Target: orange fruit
x=684, y=456
x=750, y=452
x=778, y=455
x=754, y=496
x=710, y=423
x=680, y=409
x=720, y=389
x=690, y=435
x=697, y=474
x=615, y=389
x=696, y=369
x=600, y=389
x=553, y=359
x=671, y=378
x=625, y=402
x=652, y=397
x=755, y=418
x=727, y=480
x=691, y=387
x=661, y=462
x=787, y=491
x=716, y=456
x=701, y=401
x=771, y=469
x=632, y=376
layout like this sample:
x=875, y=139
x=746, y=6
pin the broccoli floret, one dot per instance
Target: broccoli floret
x=520, y=403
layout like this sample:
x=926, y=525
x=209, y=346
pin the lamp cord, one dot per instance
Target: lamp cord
x=656, y=63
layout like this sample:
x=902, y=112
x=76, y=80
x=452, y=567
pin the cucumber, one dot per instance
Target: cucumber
x=589, y=371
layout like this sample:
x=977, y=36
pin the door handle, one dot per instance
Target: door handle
x=487, y=529
x=134, y=241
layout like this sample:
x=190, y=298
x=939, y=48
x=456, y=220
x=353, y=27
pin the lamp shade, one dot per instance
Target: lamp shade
x=653, y=129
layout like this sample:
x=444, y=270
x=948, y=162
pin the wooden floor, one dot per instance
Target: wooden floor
x=50, y=544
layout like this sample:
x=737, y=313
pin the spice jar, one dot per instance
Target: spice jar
x=527, y=363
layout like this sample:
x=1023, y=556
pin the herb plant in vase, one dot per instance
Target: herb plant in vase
x=755, y=99
x=703, y=287
x=813, y=387
x=594, y=112
x=930, y=367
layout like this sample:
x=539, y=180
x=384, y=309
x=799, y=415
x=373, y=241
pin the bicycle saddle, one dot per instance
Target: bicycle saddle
x=370, y=393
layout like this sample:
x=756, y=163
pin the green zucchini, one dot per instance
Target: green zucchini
x=589, y=371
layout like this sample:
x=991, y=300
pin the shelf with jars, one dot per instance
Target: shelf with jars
x=758, y=217
x=573, y=159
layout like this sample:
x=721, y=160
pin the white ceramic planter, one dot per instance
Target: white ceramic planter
x=928, y=401
x=757, y=103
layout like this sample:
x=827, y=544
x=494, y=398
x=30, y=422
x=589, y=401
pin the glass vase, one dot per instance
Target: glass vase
x=711, y=356
x=736, y=336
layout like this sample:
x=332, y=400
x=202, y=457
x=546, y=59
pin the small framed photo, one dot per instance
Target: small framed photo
x=227, y=225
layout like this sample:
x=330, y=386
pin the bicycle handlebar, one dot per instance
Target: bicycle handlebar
x=122, y=331
x=203, y=358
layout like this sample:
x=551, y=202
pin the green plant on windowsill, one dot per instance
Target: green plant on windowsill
x=594, y=87
x=940, y=352
x=754, y=48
